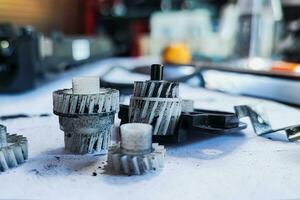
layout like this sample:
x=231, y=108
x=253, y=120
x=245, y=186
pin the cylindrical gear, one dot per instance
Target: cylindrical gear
x=156, y=102
x=87, y=119
x=136, y=154
x=13, y=149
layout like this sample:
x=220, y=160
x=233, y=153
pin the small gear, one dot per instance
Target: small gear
x=13, y=149
x=86, y=115
x=136, y=155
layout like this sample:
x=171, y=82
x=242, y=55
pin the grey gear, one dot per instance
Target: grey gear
x=13, y=149
x=156, y=103
x=86, y=119
x=136, y=164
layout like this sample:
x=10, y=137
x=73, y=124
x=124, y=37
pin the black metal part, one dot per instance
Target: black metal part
x=157, y=72
x=195, y=123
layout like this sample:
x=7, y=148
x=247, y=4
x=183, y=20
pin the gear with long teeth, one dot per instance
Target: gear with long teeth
x=136, y=154
x=156, y=102
x=67, y=103
x=152, y=88
x=13, y=149
x=86, y=115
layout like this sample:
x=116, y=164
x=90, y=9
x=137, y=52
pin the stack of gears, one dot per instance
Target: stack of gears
x=86, y=115
x=13, y=149
x=156, y=102
x=136, y=154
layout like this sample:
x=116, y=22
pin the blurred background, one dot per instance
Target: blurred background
x=245, y=47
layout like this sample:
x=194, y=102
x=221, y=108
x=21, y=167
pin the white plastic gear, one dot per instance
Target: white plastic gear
x=136, y=164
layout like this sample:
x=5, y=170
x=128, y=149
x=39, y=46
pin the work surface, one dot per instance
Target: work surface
x=235, y=166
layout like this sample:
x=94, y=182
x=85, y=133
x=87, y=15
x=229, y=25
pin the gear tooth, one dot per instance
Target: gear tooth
x=107, y=103
x=23, y=144
x=125, y=164
x=92, y=104
x=10, y=157
x=73, y=104
x=160, y=158
x=114, y=102
x=93, y=140
x=66, y=103
x=3, y=163
x=146, y=164
x=18, y=154
x=14, y=136
x=135, y=166
x=82, y=104
x=101, y=103
x=116, y=162
x=59, y=104
x=83, y=144
x=100, y=142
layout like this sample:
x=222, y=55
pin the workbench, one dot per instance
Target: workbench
x=234, y=166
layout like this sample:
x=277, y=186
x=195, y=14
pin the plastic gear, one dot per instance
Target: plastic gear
x=86, y=115
x=13, y=149
x=137, y=164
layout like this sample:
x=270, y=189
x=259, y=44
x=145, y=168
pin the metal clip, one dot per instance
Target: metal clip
x=261, y=125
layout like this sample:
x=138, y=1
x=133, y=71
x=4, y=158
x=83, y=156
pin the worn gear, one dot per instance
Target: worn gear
x=137, y=164
x=13, y=149
x=136, y=155
x=86, y=117
x=156, y=102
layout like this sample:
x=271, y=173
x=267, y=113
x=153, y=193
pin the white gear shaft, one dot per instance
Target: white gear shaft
x=136, y=138
x=86, y=85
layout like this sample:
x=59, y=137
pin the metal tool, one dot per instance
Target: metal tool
x=13, y=149
x=86, y=115
x=136, y=154
x=261, y=125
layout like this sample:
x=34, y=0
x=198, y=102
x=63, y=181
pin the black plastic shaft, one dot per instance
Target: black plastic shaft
x=157, y=72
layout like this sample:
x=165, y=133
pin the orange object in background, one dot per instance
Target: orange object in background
x=176, y=53
x=282, y=66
